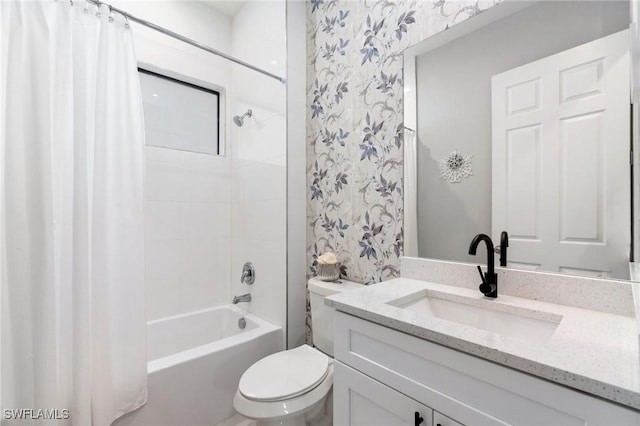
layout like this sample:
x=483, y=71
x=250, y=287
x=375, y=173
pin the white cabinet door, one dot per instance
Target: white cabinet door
x=359, y=400
x=561, y=174
x=440, y=419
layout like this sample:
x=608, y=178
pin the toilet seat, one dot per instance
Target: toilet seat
x=284, y=375
x=300, y=401
x=274, y=410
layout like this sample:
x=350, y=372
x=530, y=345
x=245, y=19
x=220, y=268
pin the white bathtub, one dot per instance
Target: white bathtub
x=195, y=362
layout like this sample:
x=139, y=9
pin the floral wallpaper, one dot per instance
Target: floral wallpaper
x=355, y=126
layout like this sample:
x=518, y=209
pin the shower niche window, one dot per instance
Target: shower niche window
x=180, y=115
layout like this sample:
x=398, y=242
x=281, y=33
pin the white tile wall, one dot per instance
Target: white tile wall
x=259, y=216
x=162, y=220
x=206, y=215
x=191, y=19
x=187, y=195
x=188, y=231
x=267, y=51
x=258, y=150
x=163, y=278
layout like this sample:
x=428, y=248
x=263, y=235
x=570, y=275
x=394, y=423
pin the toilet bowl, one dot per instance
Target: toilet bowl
x=287, y=388
x=294, y=387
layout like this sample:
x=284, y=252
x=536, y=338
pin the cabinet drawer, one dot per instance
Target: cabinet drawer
x=470, y=389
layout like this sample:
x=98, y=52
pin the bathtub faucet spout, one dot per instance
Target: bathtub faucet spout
x=243, y=298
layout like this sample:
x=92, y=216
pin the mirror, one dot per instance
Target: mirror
x=519, y=120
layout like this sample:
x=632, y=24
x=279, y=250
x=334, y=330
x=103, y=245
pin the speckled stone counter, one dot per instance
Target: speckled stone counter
x=592, y=351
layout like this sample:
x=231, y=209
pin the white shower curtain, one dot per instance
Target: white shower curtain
x=71, y=219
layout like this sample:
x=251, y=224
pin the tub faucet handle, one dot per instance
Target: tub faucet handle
x=248, y=273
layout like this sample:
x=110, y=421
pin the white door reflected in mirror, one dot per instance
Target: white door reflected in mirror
x=581, y=223
x=560, y=140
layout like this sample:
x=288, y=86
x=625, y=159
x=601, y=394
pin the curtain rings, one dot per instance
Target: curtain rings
x=85, y=8
x=99, y=4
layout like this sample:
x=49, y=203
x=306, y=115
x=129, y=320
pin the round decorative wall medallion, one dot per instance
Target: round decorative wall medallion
x=455, y=166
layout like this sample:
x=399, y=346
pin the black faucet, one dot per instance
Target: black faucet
x=489, y=286
x=504, y=243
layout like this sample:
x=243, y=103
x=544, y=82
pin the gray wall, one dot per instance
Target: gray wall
x=454, y=110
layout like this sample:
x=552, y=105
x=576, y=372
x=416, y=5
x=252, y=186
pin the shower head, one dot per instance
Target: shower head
x=240, y=120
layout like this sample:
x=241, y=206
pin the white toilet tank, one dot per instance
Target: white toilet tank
x=321, y=314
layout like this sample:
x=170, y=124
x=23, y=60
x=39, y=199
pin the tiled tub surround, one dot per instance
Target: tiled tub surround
x=592, y=350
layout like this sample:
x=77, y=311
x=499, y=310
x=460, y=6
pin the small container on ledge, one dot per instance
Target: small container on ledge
x=328, y=272
x=328, y=269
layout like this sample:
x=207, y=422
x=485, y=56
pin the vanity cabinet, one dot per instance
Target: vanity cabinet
x=363, y=401
x=383, y=376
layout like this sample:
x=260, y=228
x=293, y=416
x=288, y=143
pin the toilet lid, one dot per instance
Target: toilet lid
x=284, y=374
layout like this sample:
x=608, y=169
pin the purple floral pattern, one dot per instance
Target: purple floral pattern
x=355, y=126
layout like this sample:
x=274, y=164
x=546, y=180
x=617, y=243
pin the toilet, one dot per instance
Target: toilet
x=293, y=387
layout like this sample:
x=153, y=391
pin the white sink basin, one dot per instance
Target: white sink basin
x=506, y=320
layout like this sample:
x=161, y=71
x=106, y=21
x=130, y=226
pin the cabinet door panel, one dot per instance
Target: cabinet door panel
x=440, y=419
x=362, y=401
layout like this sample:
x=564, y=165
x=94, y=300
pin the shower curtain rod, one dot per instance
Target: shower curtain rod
x=186, y=40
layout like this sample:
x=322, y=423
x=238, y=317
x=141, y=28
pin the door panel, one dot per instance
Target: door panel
x=362, y=401
x=561, y=178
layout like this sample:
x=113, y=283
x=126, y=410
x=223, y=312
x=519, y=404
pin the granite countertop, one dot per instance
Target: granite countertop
x=594, y=352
